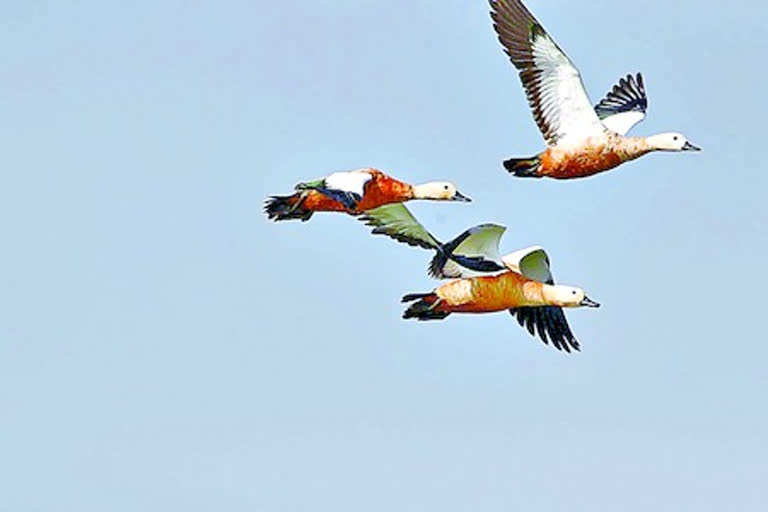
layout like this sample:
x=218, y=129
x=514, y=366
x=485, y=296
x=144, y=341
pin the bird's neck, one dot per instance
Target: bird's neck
x=633, y=147
x=423, y=191
x=547, y=294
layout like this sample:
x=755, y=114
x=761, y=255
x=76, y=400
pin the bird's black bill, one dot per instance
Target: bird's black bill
x=690, y=147
x=586, y=301
x=461, y=197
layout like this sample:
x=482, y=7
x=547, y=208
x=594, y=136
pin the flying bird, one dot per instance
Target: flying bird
x=520, y=282
x=354, y=192
x=582, y=140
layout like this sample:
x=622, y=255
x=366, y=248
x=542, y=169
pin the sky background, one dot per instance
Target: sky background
x=164, y=347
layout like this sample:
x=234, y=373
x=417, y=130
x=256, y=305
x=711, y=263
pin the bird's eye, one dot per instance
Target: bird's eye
x=574, y=292
x=446, y=187
x=675, y=137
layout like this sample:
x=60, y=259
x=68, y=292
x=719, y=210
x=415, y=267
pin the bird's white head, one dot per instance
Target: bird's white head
x=440, y=191
x=671, y=141
x=567, y=297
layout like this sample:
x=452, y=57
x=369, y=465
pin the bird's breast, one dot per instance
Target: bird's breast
x=382, y=190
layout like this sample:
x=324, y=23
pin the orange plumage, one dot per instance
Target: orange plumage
x=585, y=161
x=380, y=190
x=354, y=192
x=486, y=294
x=483, y=294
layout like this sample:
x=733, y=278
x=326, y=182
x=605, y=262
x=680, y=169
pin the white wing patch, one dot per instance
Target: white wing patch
x=482, y=241
x=552, y=83
x=532, y=262
x=349, y=181
x=562, y=100
x=623, y=122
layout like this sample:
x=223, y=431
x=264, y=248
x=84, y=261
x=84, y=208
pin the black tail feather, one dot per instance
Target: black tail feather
x=424, y=307
x=280, y=208
x=415, y=296
x=523, y=167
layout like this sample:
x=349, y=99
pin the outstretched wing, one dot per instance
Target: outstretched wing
x=397, y=222
x=624, y=106
x=474, y=252
x=532, y=262
x=548, y=322
x=552, y=83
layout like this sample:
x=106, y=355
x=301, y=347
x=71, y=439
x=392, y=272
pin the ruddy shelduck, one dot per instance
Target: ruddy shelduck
x=354, y=192
x=520, y=282
x=582, y=140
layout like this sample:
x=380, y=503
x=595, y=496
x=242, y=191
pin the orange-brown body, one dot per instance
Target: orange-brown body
x=380, y=190
x=486, y=294
x=596, y=156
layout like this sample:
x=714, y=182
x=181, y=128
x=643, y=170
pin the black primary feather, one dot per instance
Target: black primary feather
x=626, y=96
x=549, y=323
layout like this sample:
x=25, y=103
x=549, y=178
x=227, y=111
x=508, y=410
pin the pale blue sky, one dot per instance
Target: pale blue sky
x=164, y=347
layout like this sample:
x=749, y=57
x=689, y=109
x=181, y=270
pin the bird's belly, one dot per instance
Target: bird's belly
x=485, y=294
x=579, y=165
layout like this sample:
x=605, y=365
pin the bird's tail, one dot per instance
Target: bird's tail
x=523, y=167
x=425, y=307
x=280, y=208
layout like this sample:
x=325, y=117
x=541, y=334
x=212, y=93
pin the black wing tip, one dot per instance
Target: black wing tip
x=626, y=96
x=550, y=324
x=381, y=229
x=512, y=14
